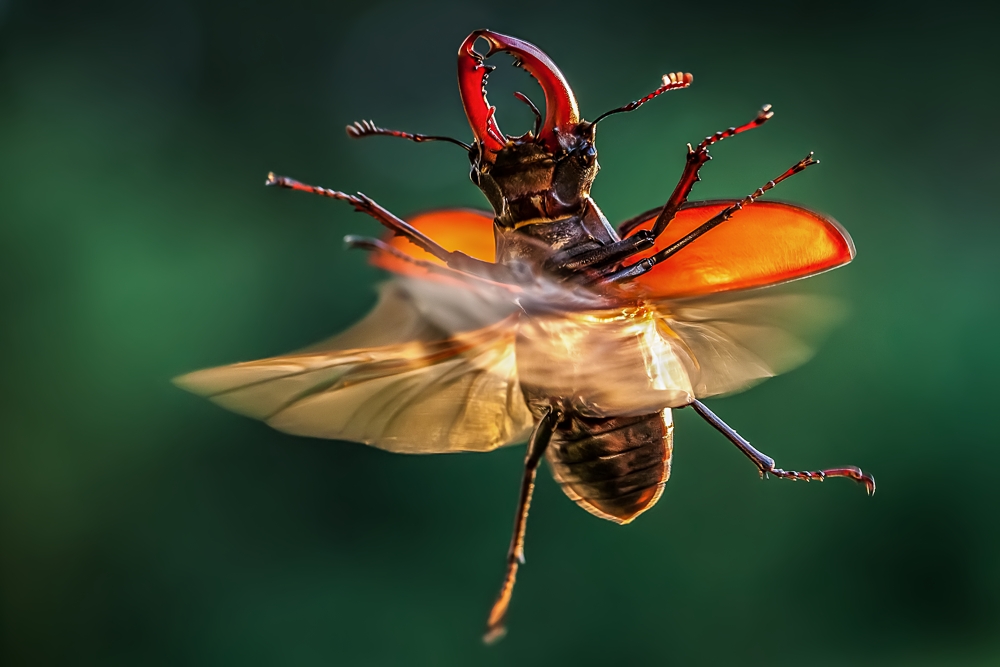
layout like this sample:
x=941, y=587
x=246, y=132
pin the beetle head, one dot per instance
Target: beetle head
x=539, y=175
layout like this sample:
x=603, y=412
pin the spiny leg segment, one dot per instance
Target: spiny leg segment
x=458, y=261
x=378, y=245
x=624, y=248
x=765, y=464
x=600, y=260
x=539, y=442
x=645, y=265
x=696, y=158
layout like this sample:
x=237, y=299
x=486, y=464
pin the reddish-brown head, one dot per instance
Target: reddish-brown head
x=544, y=174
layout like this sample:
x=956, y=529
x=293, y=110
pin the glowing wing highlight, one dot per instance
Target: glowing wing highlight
x=766, y=243
x=458, y=393
x=733, y=341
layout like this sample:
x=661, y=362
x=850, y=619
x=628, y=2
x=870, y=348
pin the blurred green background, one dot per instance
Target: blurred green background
x=140, y=525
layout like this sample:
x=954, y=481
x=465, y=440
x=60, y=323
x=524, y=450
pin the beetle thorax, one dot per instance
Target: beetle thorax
x=525, y=182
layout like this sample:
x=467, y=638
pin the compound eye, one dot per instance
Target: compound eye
x=587, y=151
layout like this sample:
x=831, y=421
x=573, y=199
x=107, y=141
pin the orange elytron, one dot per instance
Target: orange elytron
x=539, y=321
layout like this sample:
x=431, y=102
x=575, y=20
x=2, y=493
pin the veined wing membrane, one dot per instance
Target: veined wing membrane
x=421, y=310
x=456, y=394
x=733, y=341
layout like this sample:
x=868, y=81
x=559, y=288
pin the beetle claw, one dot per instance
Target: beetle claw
x=561, y=110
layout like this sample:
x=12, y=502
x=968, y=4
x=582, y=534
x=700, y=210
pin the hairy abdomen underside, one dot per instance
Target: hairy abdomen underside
x=615, y=467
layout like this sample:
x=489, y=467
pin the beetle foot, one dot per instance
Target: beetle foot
x=850, y=472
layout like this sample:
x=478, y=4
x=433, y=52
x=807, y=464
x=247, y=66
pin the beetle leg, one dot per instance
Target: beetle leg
x=765, y=464
x=696, y=158
x=539, y=442
x=454, y=259
x=645, y=265
x=378, y=245
x=366, y=128
x=596, y=258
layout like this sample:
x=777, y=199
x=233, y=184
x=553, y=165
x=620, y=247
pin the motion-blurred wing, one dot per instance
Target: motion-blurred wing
x=765, y=243
x=396, y=318
x=411, y=309
x=610, y=363
x=431, y=394
x=733, y=341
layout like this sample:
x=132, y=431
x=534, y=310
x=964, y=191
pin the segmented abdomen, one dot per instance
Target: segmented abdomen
x=614, y=468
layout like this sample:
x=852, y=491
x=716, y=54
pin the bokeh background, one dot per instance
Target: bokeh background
x=140, y=525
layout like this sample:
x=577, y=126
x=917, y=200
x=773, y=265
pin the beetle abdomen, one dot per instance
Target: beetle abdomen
x=614, y=468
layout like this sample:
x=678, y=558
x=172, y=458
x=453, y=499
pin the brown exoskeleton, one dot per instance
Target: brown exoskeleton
x=541, y=321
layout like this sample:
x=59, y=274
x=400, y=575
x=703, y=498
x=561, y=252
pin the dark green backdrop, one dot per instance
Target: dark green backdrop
x=140, y=525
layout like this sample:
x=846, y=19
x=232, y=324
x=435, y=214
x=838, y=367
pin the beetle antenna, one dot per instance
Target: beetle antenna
x=534, y=110
x=367, y=128
x=671, y=81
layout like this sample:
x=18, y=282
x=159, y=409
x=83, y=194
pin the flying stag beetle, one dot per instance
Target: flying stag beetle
x=541, y=322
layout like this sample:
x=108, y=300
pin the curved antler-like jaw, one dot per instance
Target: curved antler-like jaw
x=561, y=112
x=472, y=75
